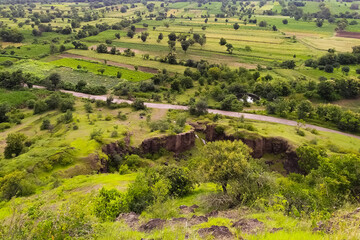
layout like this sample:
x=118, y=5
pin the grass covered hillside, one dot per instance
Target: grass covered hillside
x=179, y=119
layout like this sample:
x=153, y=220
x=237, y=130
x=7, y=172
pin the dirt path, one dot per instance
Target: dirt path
x=214, y=111
x=111, y=63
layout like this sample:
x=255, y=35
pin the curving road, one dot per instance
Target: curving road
x=214, y=111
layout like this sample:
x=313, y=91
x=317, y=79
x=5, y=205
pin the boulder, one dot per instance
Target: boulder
x=249, y=225
x=156, y=223
x=219, y=232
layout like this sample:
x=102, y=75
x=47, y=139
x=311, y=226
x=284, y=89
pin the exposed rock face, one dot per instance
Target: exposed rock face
x=173, y=143
x=185, y=141
x=260, y=146
x=219, y=232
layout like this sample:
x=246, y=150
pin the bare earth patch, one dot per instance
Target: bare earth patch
x=346, y=34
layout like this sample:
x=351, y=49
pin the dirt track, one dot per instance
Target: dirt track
x=214, y=111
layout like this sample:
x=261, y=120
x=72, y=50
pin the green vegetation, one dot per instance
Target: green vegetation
x=94, y=67
x=93, y=146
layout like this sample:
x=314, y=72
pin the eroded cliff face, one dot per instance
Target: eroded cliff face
x=185, y=141
x=173, y=143
x=260, y=146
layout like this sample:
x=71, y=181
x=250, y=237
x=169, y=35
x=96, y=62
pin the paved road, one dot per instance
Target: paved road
x=225, y=113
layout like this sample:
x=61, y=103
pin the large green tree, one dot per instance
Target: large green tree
x=224, y=161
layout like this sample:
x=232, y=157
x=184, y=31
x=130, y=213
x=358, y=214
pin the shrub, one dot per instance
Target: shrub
x=67, y=104
x=96, y=134
x=309, y=157
x=138, y=105
x=15, y=144
x=109, y=204
x=139, y=195
x=30, y=103
x=15, y=184
x=40, y=107
x=161, y=125
x=45, y=124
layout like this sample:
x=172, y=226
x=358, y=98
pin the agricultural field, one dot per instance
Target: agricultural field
x=179, y=120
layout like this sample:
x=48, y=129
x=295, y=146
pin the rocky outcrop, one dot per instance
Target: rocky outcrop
x=156, y=223
x=172, y=143
x=259, y=144
x=218, y=232
x=185, y=141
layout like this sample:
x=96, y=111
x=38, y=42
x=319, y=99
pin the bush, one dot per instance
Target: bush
x=139, y=195
x=40, y=107
x=96, y=135
x=15, y=184
x=309, y=157
x=161, y=125
x=109, y=204
x=67, y=104
x=15, y=144
x=30, y=103
x=138, y=105
x=45, y=124
x=329, y=69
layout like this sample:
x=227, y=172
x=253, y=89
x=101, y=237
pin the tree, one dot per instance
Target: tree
x=144, y=36
x=304, y=109
x=198, y=108
x=229, y=48
x=172, y=36
x=289, y=64
x=185, y=45
x=55, y=79
x=329, y=68
x=138, y=104
x=160, y=37
x=309, y=157
x=274, y=28
x=14, y=144
x=222, y=41
x=117, y=35
x=285, y=21
x=62, y=48
x=319, y=22
x=119, y=74
x=224, y=161
x=345, y=69
x=102, y=48
x=53, y=49
x=11, y=35
x=130, y=34
x=113, y=50
x=326, y=90
x=236, y=26
x=202, y=40
x=4, y=109
x=263, y=24
x=101, y=70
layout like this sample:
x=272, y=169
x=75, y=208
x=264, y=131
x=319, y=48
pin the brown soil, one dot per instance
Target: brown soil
x=138, y=30
x=111, y=63
x=348, y=34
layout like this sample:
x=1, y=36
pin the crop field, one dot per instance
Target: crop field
x=133, y=76
x=179, y=119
